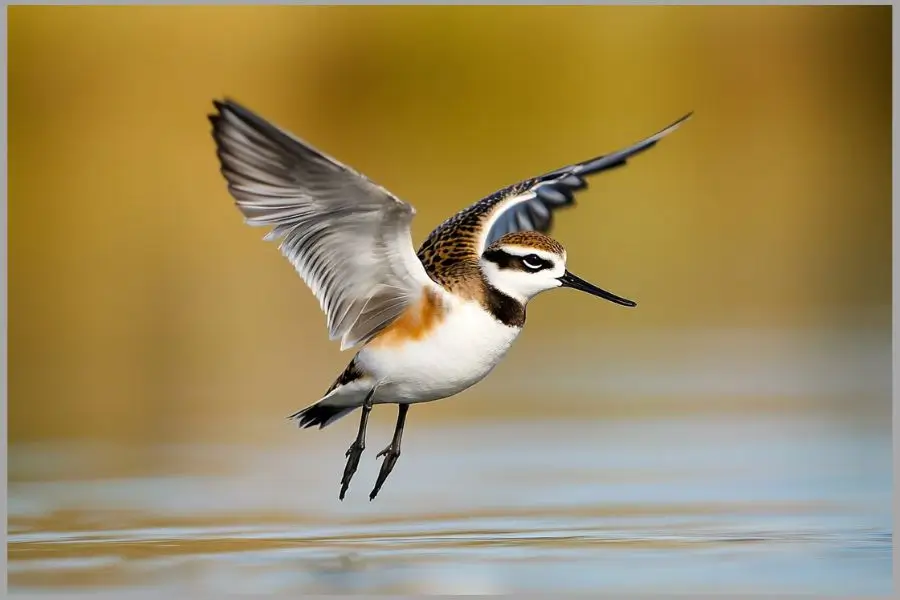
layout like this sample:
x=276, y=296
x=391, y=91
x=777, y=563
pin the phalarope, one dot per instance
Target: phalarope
x=429, y=324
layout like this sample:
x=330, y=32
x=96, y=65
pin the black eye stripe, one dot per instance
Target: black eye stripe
x=505, y=260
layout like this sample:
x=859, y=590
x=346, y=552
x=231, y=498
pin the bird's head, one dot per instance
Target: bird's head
x=524, y=264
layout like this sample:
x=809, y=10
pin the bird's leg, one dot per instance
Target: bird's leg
x=391, y=453
x=354, y=452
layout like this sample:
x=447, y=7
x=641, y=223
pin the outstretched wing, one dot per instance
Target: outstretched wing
x=348, y=238
x=528, y=205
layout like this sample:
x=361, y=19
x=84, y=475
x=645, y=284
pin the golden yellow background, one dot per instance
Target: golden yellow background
x=140, y=306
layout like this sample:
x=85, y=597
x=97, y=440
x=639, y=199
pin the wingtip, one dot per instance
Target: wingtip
x=665, y=131
x=224, y=105
x=676, y=124
x=221, y=106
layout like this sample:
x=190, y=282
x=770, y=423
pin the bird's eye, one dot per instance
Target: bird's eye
x=532, y=261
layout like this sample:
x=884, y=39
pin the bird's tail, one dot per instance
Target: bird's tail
x=320, y=414
x=344, y=396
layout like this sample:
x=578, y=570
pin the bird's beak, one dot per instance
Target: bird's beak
x=577, y=283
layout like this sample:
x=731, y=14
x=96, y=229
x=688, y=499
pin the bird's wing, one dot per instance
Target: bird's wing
x=529, y=204
x=348, y=238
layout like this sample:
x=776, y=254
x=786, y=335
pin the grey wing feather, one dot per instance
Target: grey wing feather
x=530, y=204
x=348, y=238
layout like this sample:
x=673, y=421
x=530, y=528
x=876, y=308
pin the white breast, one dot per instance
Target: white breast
x=457, y=354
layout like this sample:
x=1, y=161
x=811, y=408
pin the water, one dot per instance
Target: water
x=744, y=503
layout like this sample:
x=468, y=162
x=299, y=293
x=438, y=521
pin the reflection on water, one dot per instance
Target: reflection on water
x=774, y=504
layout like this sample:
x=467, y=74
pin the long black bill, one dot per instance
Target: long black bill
x=577, y=283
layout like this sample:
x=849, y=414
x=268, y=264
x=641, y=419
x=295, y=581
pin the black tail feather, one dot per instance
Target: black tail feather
x=318, y=415
x=322, y=414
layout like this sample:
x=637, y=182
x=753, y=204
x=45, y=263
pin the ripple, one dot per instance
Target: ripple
x=796, y=513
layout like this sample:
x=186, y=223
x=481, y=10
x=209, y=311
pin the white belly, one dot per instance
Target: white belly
x=457, y=354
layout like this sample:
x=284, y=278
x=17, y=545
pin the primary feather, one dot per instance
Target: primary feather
x=529, y=205
x=348, y=238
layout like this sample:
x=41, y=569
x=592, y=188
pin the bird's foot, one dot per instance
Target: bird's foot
x=390, y=455
x=354, y=452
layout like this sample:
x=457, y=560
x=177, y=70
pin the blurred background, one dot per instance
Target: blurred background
x=156, y=343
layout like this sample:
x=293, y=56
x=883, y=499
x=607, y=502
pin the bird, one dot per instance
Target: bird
x=426, y=324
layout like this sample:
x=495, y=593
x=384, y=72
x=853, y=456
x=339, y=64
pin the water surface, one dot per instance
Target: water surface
x=772, y=503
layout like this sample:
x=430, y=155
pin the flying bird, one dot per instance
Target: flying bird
x=428, y=324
